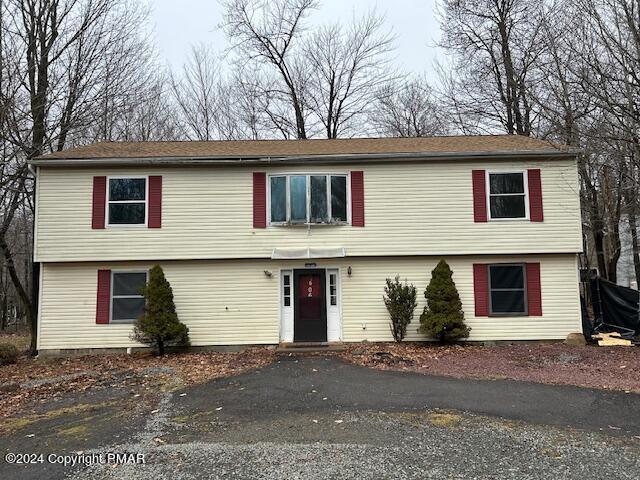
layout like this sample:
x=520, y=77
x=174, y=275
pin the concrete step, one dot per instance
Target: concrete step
x=308, y=348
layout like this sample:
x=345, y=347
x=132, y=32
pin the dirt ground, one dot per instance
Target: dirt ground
x=29, y=384
x=614, y=368
x=32, y=382
x=323, y=418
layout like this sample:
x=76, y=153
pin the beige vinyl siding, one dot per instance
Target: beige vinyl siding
x=419, y=208
x=226, y=302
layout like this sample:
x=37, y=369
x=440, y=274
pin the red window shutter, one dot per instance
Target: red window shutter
x=104, y=296
x=481, y=289
x=535, y=196
x=155, y=201
x=534, y=292
x=99, y=199
x=259, y=200
x=357, y=199
x=479, y=196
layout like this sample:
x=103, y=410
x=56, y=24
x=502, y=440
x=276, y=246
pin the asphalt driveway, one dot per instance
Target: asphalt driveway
x=317, y=417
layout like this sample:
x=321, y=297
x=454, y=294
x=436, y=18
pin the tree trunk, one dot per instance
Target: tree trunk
x=35, y=304
x=634, y=246
x=20, y=290
x=160, y=347
x=597, y=231
x=3, y=314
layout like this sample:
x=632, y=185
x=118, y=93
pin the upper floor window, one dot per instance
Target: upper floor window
x=308, y=199
x=127, y=301
x=507, y=289
x=507, y=195
x=127, y=201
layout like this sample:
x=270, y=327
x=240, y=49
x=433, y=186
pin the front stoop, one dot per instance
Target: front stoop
x=308, y=348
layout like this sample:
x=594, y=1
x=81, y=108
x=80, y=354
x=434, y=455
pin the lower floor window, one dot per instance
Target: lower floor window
x=127, y=301
x=507, y=289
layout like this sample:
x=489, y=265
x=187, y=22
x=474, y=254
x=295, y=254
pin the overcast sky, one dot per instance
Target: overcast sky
x=179, y=24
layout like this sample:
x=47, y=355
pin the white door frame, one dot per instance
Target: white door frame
x=334, y=312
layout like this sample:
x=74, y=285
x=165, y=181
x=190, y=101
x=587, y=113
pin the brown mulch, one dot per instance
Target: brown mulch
x=614, y=368
x=36, y=381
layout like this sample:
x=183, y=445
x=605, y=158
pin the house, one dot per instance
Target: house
x=266, y=242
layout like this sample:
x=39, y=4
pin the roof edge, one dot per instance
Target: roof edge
x=301, y=159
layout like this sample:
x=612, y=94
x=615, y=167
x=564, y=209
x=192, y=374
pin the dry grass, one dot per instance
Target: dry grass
x=33, y=381
x=20, y=341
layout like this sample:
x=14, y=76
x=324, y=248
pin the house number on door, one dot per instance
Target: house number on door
x=310, y=289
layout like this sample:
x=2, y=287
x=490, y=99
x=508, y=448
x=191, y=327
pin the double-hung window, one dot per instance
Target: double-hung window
x=308, y=199
x=127, y=201
x=507, y=289
x=507, y=195
x=127, y=301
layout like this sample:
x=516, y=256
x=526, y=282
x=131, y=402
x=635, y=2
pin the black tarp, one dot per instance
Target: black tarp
x=587, y=325
x=615, y=308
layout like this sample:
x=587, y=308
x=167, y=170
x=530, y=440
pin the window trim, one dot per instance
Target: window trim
x=108, y=224
x=307, y=223
x=111, y=297
x=525, y=184
x=524, y=290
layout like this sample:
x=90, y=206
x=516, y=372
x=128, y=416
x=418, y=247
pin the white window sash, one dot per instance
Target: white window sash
x=525, y=194
x=145, y=202
x=308, y=176
x=113, y=297
x=523, y=290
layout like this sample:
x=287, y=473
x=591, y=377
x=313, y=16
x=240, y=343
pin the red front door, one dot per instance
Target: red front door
x=310, y=309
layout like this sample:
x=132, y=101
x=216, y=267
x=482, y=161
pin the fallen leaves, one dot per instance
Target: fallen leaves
x=554, y=363
x=36, y=381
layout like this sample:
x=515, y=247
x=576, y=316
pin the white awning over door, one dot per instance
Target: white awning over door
x=310, y=252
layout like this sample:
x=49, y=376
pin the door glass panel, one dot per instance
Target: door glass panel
x=310, y=319
x=333, y=294
x=298, y=196
x=310, y=297
x=287, y=290
x=309, y=286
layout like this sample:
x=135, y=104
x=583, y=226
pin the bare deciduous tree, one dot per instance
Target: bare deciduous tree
x=61, y=59
x=198, y=93
x=347, y=66
x=268, y=32
x=406, y=109
x=609, y=61
x=495, y=44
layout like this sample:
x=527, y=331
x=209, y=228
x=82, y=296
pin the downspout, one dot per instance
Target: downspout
x=35, y=267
